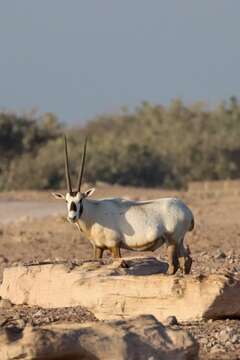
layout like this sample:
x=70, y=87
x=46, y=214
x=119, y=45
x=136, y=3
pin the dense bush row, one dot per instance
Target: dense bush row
x=152, y=146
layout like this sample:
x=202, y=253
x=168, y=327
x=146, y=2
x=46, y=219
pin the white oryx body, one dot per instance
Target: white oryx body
x=116, y=223
x=135, y=225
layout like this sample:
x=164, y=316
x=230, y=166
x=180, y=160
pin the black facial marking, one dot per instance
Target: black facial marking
x=81, y=208
x=73, y=206
x=73, y=193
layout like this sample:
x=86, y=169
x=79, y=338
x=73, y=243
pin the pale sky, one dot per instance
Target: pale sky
x=81, y=58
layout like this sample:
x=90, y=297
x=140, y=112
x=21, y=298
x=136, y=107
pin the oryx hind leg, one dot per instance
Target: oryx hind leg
x=172, y=255
x=184, y=258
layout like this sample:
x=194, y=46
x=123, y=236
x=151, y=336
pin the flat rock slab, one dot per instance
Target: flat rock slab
x=140, y=338
x=111, y=291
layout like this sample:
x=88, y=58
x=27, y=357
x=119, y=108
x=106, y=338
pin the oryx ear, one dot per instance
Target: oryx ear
x=58, y=196
x=89, y=192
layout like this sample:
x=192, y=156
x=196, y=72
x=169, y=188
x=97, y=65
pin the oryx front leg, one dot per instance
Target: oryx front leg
x=98, y=252
x=116, y=252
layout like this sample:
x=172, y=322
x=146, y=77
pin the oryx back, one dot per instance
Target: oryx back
x=140, y=225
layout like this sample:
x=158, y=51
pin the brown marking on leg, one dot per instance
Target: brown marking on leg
x=188, y=262
x=181, y=260
x=184, y=258
x=175, y=260
x=172, y=254
x=116, y=252
x=171, y=251
x=98, y=252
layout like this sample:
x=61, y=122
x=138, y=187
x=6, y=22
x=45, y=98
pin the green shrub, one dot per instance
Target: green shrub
x=152, y=146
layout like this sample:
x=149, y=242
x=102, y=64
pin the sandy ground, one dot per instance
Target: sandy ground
x=12, y=211
x=33, y=228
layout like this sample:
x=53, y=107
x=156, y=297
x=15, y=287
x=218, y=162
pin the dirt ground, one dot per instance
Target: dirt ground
x=33, y=228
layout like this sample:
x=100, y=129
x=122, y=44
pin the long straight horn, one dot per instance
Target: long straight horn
x=82, y=166
x=67, y=172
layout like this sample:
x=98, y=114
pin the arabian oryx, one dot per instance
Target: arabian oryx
x=115, y=223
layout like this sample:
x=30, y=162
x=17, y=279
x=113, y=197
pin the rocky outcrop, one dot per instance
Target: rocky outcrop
x=136, y=339
x=123, y=289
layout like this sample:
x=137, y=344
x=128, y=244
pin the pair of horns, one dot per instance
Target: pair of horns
x=67, y=171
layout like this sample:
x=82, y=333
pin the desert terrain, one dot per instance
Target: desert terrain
x=33, y=228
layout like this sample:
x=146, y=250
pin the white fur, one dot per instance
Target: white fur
x=135, y=225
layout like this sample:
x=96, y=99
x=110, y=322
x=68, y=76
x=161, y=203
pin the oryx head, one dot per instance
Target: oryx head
x=74, y=199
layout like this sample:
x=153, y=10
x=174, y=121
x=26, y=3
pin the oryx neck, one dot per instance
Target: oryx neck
x=88, y=214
